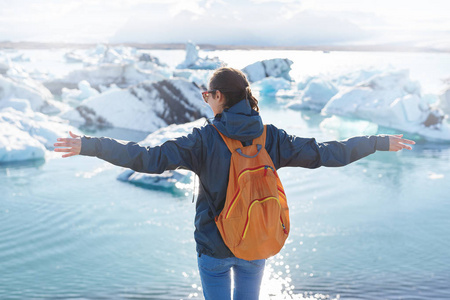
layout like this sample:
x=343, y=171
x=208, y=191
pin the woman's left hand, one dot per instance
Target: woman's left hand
x=397, y=143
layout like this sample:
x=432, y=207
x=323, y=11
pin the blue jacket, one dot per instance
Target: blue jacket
x=204, y=152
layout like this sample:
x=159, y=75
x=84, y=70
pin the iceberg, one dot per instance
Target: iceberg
x=146, y=106
x=25, y=134
x=102, y=54
x=83, y=92
x=148, y=58
x=444, y=101
x=391, y=99
x=301, y=85
x=5, y=63
x=21, y=58
x=199, y=77
x=277, y=67
x=316, y=94
x=271, y=85
x=104, y=66
x=356, y=77
x=175, y=181
x=193, y=61
x=123, y=75
x=24, y=87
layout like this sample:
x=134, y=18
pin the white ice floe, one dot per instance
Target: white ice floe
x=102, y=54
x=22, y=57
x=270, y=85
x=444, y=101
x=314, y=92
x=147, y=58
x=83, y=92
x=104, y=66
x=199, y=77
x=123, y=75
x=24, y=87
x=391, y=99
x=24, y=134
x=147, y=106
x=194, y=61
x=277, y=67
x=5, y=63
x=174, y=181
x=356, y=77
x=315, y=95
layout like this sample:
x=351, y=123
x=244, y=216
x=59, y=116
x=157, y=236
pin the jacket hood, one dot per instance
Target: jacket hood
x=240, y=122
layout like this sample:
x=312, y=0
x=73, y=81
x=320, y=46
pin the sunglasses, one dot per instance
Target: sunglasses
x=206, y=95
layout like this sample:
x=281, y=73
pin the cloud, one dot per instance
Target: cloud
x=267, y=23
x=243, y=22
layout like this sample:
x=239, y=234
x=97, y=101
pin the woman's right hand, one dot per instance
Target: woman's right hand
x=70, y=145
x=397, y=143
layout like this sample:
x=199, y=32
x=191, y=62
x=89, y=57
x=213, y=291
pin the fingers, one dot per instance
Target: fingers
x=69, y=143
x=405, y=141
x=64, y=150
x=69, y=155
x=397, y=143
x=70, y=146
x=65, y=139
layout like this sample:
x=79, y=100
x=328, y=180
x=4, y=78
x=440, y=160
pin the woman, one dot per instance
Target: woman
x=205, y=153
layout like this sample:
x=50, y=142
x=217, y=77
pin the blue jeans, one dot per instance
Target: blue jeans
x=215, y=274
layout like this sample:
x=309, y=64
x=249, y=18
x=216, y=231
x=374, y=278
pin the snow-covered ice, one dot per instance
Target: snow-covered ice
x=393, y=100
x=270, y=85
x=194, y=61
x=147, y=106
x=102, y=54
x=317, y=92
x=83, y=92
x=444, y=101
x=25, y=87
x=25, y=134
x=123, y=75
x=5, y=63
x=277, y=67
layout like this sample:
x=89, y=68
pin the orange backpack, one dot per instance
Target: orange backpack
x=254, y=222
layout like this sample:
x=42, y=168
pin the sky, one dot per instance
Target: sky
x=234, y=22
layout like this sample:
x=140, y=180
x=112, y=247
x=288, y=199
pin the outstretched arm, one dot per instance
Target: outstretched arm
x=183, y=152
x=306, y=152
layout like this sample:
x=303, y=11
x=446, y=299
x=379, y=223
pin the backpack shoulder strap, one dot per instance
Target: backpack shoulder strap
x=261, y=140
x=235, y=144
x=231, y=143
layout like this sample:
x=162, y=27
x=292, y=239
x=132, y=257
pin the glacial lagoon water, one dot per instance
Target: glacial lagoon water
x=376, y=229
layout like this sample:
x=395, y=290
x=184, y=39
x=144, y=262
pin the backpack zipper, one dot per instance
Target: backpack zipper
x=250, y=208
x=238, y=193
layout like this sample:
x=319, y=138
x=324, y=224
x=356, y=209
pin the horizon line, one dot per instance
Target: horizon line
x=212, y=47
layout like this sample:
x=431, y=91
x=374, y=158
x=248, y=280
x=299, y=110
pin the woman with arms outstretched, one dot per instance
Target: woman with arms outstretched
x=205, y=153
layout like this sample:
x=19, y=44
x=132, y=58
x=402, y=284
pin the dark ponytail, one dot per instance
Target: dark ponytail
x=253, y=101
x=233, y=84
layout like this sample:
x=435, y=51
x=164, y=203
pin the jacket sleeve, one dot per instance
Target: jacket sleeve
x=306, y=152
x=183, y=152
